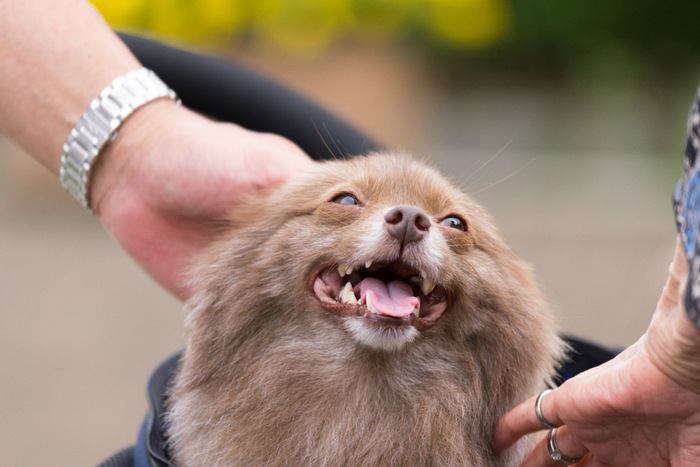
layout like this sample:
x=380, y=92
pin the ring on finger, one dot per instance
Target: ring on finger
x=538, y=410
x=555, y=454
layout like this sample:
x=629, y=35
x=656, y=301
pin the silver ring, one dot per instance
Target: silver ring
x=555, y=454
x=538, y=410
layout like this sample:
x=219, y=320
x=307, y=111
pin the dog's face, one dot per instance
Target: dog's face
x=363, y=304
x=401, y=241
x=383, y=246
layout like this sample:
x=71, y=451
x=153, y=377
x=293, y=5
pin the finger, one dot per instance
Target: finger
x=522, y=420
x=568, y=445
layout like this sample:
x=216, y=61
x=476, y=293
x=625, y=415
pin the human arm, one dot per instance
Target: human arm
x=641, y=408
x=170, y=175
x=56, y=57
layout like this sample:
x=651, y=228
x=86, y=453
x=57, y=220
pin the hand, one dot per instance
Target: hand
x=640, y=409
x=171, y=176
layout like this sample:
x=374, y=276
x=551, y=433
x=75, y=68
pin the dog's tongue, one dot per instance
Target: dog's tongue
x=393, y=299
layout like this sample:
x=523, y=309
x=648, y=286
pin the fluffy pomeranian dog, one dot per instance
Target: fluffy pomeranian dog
x=365, y=314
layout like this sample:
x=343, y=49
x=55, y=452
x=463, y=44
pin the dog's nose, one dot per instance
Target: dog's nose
x=406, y=223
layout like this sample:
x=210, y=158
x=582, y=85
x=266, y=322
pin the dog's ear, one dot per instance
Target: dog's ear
x=240, y=232
x=254, y=209
x=247, y=229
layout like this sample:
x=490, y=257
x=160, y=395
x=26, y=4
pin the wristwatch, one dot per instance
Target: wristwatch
x=99, y=125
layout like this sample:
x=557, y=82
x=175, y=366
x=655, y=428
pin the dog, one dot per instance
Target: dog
x=366, y=313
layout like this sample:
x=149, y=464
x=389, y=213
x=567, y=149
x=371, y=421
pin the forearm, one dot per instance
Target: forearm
x=57, y=56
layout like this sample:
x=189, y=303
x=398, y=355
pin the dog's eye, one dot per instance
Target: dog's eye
x=346, y=199
x=455, y=222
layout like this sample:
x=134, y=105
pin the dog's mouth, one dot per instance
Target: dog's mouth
x=392, y=293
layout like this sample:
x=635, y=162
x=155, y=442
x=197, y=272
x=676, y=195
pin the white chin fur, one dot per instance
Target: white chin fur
x=387, y=339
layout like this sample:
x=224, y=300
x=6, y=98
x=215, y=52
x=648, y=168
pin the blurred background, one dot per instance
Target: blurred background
x=566, y=119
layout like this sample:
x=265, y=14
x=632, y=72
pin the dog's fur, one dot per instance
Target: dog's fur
x=270, y=377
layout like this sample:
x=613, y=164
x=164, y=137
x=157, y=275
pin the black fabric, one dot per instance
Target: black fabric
x=583, y=355
x=124, y=458
x=158, y=384
x=230, y=92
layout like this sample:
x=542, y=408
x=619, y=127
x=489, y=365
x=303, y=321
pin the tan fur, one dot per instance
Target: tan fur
x=269, y=377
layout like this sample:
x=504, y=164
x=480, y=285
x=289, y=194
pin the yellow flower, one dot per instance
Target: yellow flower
x=302, y=25
x=468, y=22
x=222, y=17
x=309, y=26
x=122, y=13
x=380, y=19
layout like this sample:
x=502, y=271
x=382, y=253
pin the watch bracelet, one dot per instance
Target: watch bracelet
x=99, y=124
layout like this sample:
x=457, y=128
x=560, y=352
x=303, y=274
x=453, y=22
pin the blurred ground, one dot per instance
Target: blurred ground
x=580, y=187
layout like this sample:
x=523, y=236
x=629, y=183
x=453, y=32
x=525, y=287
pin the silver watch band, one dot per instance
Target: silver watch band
x=99, y=124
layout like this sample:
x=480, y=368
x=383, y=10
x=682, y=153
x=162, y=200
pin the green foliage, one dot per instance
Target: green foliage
x=579, y=26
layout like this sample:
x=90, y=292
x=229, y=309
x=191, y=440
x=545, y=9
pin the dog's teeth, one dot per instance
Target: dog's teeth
x=370, y=305
x=347, y=295
x=348, y=271
x=368, y=264
x=427, y=286
x=415, y=279
x=416, y=311
x=342, y=267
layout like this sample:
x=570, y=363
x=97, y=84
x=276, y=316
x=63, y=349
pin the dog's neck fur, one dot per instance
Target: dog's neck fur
x=280, y=400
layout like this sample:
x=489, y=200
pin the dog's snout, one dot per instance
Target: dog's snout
x=406, y=223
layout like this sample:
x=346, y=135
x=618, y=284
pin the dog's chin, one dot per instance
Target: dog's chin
x=382, y=305
x=379, y=335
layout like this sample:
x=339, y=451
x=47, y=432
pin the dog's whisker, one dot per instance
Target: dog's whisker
x=334, y=156
x=488, y=161
x=334, y=141
x=505, y=178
